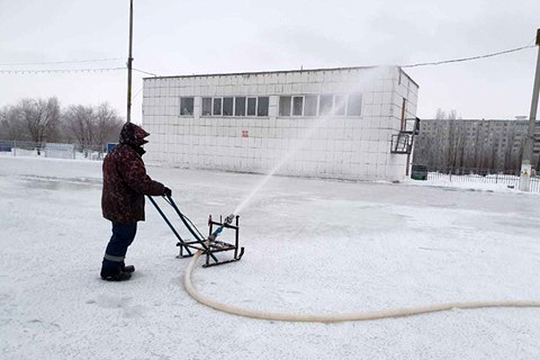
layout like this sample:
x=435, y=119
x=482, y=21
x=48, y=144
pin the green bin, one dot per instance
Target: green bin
x=419, y=172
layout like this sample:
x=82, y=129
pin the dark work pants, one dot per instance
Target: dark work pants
x=122, y=237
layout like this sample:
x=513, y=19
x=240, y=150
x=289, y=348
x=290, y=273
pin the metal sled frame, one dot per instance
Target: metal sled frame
x=207, y=246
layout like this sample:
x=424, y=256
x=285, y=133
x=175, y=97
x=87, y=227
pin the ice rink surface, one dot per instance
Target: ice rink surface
x=312, y=246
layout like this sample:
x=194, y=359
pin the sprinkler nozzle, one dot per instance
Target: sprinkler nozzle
x=229, y=219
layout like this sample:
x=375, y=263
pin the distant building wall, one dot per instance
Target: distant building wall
x=485, y=144
x=334, y=123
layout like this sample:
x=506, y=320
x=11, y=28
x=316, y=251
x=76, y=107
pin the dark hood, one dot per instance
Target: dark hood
x=133, y=136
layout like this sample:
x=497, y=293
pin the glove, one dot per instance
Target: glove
x=167, y=192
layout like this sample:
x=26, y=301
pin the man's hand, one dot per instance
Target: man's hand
x=167, y=192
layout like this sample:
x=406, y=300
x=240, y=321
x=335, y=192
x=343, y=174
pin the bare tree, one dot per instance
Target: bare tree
x=439, y=147
x=40, y=117
x=456, y=144
x=450, y=115
x=107, y=124
x=11, y=125
x=448, y=151
x=78, y=121
x=39, y=120
x=92, y=127
x=440, y=114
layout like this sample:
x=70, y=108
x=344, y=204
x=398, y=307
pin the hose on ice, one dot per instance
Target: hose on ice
x=329, y=318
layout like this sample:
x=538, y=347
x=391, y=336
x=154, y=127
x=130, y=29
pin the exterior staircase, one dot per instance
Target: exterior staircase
x=402, y=142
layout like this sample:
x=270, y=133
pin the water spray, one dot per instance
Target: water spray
x=373, y=75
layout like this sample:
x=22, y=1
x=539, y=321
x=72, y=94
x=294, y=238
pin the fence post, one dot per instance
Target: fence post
x=14, y=147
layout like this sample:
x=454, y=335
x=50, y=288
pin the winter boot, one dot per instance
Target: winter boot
x=128, y=268
x=120, y=276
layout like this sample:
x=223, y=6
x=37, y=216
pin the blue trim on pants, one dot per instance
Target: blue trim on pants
x=122, y=236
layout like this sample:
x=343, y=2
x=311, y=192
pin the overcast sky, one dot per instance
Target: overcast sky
x=173, y=37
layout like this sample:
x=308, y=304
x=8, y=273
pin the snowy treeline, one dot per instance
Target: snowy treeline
x=44, y=120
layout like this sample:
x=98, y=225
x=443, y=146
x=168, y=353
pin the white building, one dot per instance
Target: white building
x=345, y=123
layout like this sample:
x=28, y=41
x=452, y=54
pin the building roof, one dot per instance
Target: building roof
x=274, y=72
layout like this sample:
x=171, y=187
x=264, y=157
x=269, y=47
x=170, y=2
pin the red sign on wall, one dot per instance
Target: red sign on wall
x=245, y=133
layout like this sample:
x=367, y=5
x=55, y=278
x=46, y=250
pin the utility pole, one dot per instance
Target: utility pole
x=130, y=60
x=528, y=147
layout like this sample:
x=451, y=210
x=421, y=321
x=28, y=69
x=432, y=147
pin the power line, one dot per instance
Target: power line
x=469, y=58
x=137, y=93
x=52, y=71
x=144, y=72
x=62, y=62
x=56, y=71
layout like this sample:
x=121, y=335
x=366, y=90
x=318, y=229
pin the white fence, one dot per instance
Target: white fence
x=506, y=180
x=51, y=150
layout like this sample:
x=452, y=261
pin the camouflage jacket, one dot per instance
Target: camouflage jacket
x=125, y=182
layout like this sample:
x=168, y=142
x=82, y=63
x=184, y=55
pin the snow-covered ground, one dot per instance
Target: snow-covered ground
x=491, y=183
x=312, y=246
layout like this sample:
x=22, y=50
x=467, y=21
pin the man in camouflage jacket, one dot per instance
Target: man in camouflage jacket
x=125, y=183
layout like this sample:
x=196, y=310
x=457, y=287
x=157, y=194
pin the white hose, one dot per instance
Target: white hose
x=383, y=314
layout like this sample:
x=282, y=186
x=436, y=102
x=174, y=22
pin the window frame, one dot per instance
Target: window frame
x=223, y=106
x=220, y=108
x=192, y=106
x=316, y=105
x=361, y=96
x=331, y=112
x=245, y=106
x=267, y=106
x=292, y=105
x=256, y=105
x=317, y=100
x=211, y=106
x=335, y=108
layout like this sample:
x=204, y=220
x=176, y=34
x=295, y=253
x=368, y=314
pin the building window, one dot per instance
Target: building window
x=298, y=106
x=320, y=105
x=284, y=106
x=240, y=106
x=217, y=107
x=186, y=106
x=354, y=108
x=340, y=104
x=228, y=106
x=251, y=106
x=206, y=107
x=262, y=108
x=325, y=105
x=310, y=106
